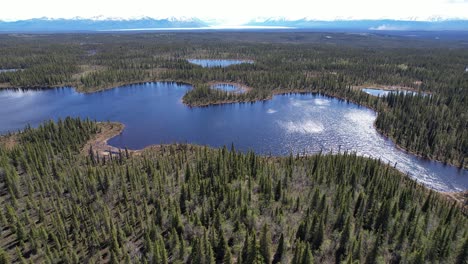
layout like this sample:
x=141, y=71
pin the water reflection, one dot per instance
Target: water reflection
x=227, y=87
x=209, y=63
x=384, y=92
x=153, y=113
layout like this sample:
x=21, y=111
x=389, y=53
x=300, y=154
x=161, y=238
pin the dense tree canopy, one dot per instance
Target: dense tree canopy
x=191, y=204
x=334, y=64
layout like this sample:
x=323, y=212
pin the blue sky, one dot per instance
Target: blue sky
x=235, y=12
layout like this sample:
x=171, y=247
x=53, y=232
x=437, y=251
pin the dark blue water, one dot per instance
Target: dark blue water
x=232, y=88
x=208, y=63
x=153, y=113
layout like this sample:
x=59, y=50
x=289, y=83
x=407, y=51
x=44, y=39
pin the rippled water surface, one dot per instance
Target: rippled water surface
x=153, y=113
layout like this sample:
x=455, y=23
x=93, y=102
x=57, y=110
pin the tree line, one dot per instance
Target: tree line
x=192, y=204
x=432, y=126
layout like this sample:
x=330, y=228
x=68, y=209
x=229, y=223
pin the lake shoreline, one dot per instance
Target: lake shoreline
x=258, y=99
x=298, y=91
x=416, y=154
x=99, y=142
x=109, y=130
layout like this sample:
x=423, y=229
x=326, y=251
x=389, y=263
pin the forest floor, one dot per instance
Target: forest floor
x=8, y=141
x=461, y=197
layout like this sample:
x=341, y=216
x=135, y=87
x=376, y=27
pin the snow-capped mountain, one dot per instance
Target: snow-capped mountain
x=415, y=23
x=102, y=23
x=99, y=23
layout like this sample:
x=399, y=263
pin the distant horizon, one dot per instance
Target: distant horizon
x=256, y=19
x=240, y=12
x=159, y=24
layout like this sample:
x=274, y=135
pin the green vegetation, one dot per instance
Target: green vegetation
x=434, y=127
x=430, y=126
x=190, y=204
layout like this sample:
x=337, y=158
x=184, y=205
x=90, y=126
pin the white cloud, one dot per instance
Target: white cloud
x=457, y=1
x=236, y=12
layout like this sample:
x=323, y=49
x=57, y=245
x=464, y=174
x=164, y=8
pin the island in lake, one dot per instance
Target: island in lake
x=237, y=146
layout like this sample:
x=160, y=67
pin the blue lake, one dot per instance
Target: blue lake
x=209, y=63
x=299, y=123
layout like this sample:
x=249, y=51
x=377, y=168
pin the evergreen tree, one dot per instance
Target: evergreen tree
x=280, y=251
x=265, y=244
x=4, y=258
x=462, y=256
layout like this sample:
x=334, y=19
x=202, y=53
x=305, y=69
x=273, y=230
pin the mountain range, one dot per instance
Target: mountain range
x=367, y=24
x=97, y=24
x=147, y=23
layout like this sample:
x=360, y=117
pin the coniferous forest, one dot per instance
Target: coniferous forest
x=63, y=202
x=193, y=204
x=433, y=124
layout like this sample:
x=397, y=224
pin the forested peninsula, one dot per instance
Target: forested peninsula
x=431, y=124
x=68, y=197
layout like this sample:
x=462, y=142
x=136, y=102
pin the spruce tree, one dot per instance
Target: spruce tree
x=265, y=244
x=280, y=251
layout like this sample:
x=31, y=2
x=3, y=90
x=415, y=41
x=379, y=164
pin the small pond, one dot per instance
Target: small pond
x=227, y=87
x=384, y=92
x=209, y=63
x=9, y=70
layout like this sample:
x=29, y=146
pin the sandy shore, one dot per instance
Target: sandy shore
x=99, y=141
x=461, y=197
x=9, y=141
